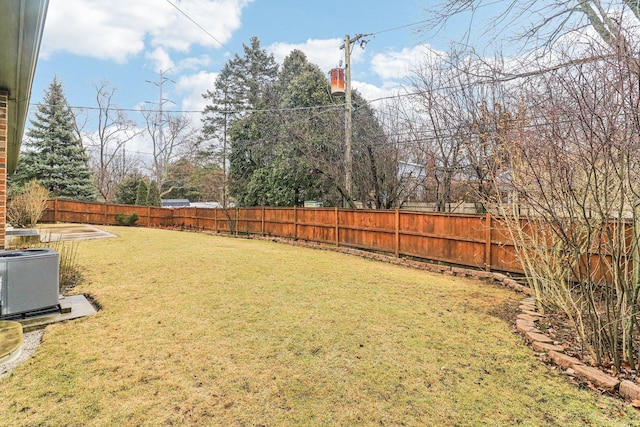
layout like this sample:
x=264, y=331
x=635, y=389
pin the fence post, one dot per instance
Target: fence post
x=262, y=220
x=237, y=224
x=337, y=228
x=55, y=210
x=215, y=220
x=104, y=214
x=487, y=246
x=295, y=223
x=397, y=243
x=149, y=216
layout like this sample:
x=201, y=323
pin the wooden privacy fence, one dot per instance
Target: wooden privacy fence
x=467, y=240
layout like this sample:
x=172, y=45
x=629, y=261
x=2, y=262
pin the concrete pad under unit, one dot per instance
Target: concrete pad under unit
x=71, y=307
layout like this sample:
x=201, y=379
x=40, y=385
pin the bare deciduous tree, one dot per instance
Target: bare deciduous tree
x=400, y=124
x=574, y=170
x=460, y=122
x=543, y=22
x=107, y=146
x=171, y=136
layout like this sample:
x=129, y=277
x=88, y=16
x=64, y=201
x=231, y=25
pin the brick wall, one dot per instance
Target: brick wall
x=4, y=106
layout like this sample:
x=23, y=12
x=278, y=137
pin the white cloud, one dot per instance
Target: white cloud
x=324, y=53
x=219, y=18
x=194, y=63
x=90, y=28
x=372, y=92
x=393, y=65
x=160, y=59
x=191, y=88
x=117, y=29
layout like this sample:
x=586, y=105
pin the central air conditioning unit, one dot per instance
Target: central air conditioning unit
x=29, y=282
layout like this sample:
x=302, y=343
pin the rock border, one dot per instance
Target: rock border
x=526, y=324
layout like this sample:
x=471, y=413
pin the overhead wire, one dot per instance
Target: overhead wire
x=198, y=25
x=233, y=111
x=324, y=108
x=248, y=110
x=457, y=87
x=405, y=137
x=311, y=108
x=400, y=27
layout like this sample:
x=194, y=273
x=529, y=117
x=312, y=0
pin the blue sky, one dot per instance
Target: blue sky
x=127, y=43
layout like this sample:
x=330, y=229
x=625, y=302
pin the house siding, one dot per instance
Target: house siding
x=4, y=106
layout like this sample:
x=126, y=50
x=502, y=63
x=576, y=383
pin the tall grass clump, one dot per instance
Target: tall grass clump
x=70, y=273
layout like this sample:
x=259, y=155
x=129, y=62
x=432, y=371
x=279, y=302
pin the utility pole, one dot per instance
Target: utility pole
x=158, y=152
x=224, y=155
x=348, y=117
x=348, y=122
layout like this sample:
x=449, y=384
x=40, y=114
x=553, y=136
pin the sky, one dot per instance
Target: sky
x=128, y=43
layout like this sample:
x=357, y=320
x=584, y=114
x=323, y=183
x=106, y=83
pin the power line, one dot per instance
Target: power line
x=265, y=110
x=492, y=80
x=401, y=27
x=456, y=87
x=460, y=86
x=199, y=26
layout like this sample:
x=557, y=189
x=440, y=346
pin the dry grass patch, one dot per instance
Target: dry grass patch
x=201, y=330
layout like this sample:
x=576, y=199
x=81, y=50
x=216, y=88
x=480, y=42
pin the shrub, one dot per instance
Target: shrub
x=27, y=207
x=127, y=220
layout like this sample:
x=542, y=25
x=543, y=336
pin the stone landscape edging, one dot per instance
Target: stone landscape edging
x=543, y=343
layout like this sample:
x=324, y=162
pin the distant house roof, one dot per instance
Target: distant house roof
x=411, y=170
x=210, y=205
x=175, y=203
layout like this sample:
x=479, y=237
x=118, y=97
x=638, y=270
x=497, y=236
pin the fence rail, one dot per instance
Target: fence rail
x=478, y=241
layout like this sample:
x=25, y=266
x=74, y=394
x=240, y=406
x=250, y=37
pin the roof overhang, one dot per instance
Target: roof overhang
x=21, y=27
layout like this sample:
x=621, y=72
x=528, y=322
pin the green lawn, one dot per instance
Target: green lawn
x=202, y=330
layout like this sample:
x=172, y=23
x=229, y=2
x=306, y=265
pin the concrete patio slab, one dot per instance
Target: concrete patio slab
x=63, y=232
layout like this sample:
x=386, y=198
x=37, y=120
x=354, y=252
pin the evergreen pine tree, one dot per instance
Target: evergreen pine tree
x=153, y=199
x=127, y=190
x=241, y=85
x=268, y=164
x=55, y=156
x=142, y=195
